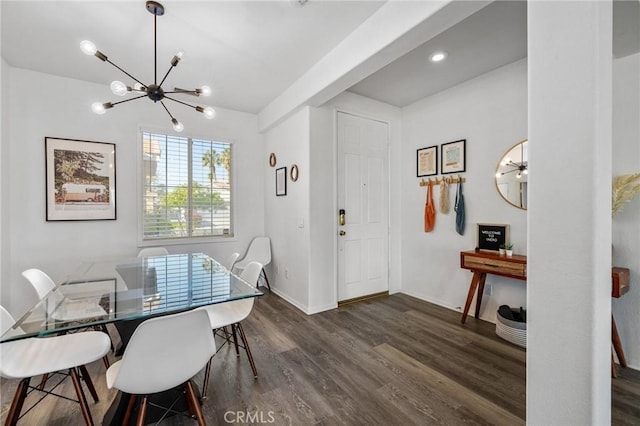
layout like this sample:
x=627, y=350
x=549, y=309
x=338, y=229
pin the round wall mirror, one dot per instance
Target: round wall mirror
x=512, y=173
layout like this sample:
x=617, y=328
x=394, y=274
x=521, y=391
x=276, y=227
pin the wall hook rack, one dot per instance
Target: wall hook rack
x=438, y=181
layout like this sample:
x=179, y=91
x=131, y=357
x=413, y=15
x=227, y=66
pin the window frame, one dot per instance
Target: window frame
x=140, y=201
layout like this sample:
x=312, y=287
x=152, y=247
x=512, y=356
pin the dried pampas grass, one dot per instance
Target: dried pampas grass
x=625, y=187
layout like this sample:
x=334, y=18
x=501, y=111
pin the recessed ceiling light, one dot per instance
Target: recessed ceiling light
x=438, y=56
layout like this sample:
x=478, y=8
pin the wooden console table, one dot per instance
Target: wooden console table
x=482, y=263
x=620, y=285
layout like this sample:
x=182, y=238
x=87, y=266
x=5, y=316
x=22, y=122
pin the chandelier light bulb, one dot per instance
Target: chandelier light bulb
x=177, y=126
x=519, y=175
x=209, y=112
x=525, y=171
x=498, y=174
x=205, y=91
x=98, y=108
x=88, y=48
x=118, y=88
x=177, y=58
x=139, y=87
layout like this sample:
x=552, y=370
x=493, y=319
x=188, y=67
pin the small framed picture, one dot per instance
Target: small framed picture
x=80, y=179
x=281, y=181
x=427, y=161
x=490, y=236
x=453, y=157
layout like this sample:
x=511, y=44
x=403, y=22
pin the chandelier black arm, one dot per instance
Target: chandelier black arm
x=193, y=92
x=509, y=171
x=166, y=75
x=128, y=100
x=107, y=60
x=167, y=109
x=183, y=103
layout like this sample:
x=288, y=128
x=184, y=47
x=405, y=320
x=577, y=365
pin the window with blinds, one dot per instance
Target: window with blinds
x=186, y=187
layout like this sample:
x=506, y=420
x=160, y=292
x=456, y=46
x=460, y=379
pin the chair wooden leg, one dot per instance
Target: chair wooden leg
x=130, y=405
x=247, y=349
x=190, y=404
x=205, y=384
x=81, y=398
x=105, y=360
x=193, y=402
x=18, y=401
x=264, y=274
x=89, y=383
x=43, y=381
x=235, y=338
x=142, y=413
x=614, y=373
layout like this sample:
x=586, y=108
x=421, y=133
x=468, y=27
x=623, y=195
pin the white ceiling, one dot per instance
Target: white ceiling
x=250, y=52
x=494, y=36
x=490, y=38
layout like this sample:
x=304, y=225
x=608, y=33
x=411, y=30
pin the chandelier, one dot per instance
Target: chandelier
x=522, y=167
x=154, y=91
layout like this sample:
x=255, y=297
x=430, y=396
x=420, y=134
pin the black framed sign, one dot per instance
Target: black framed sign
x=453, y=157
x=427, y=161
x=80, y=179
x=490, y=236
x=281, y=181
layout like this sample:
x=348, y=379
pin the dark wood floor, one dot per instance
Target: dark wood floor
x=387, y=361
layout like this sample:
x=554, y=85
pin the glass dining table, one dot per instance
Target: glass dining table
x=128, y=291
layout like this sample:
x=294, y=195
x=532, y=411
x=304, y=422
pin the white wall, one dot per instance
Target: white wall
x=569, y=216
x=307, y=138
x=322, y=216
x=4, y=182
x=626, y=224
x=289, y=270
x=325, y=166
x=490, y=112
x=44, y=105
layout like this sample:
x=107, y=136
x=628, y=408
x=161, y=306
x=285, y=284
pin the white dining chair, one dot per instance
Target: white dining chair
x=152, y=251
x=163, y=353
x=58, y=309
x=27, y=358
x=259, y=251
x=223, y=315
x=230, y=261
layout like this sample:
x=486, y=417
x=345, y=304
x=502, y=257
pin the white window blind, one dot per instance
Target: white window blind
x=186, y=187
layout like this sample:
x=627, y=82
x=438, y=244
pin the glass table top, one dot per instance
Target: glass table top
x=118, y=290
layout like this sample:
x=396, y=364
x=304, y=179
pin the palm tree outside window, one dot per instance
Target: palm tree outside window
x=185, y=195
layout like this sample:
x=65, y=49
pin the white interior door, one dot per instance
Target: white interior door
x=363, y=193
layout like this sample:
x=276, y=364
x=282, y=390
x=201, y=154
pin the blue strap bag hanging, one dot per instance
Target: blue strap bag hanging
x=459, y=209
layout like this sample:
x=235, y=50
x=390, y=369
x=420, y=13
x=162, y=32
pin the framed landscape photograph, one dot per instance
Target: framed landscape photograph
x=453, y=157
x=281, y=181
x=80, y=179
x=427, y=159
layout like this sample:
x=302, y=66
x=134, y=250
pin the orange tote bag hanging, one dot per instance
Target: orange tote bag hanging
x=429, y=210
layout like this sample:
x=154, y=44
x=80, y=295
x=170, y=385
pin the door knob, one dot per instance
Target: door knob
x=342, y=233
